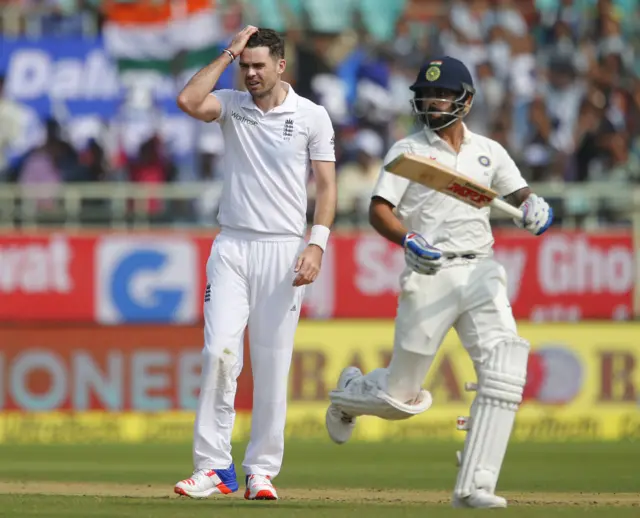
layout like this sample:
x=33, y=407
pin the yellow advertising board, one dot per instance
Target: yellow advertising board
x=583, y=384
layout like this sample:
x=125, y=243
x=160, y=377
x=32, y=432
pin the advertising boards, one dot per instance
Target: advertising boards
x=46, y=277
x=158, y=277
x=76, y=81
x=140, y=383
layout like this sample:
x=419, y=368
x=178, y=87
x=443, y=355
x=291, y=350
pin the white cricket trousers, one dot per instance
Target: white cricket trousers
x=468, y=295
x=249, y=282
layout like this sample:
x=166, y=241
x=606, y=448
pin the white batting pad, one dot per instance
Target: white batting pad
x=367, y=395
x=501, y=381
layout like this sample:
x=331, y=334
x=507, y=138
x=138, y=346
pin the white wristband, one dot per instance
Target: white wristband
x=319, y=236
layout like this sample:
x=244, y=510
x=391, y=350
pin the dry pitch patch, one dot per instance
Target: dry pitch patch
x=355, y=496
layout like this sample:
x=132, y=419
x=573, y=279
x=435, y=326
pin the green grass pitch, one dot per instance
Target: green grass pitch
x=318, y=479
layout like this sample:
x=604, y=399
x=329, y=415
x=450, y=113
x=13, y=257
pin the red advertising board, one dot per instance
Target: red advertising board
x=46, y=277
x=120, y=278
x=113, y=368
x=559, y=276
x=569, y=276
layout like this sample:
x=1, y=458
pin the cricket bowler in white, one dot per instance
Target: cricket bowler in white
x=450, y=281
x=259, y=263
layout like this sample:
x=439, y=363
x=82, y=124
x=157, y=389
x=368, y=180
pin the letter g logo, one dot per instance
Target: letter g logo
x=153, y=281
x=157, y=304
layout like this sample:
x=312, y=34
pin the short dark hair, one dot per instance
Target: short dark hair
x=268, y=38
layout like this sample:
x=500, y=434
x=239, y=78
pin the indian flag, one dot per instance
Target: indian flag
x=147, y=36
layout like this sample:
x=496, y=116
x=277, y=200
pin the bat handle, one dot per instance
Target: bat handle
x=507, y=208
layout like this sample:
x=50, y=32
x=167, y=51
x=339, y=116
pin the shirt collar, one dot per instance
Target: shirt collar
x=432, y=137
x=289, y=105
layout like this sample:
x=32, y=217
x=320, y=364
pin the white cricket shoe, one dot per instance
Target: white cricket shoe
x=206, y=482
x=259, y=487
x=339, y=425
x=480, y=499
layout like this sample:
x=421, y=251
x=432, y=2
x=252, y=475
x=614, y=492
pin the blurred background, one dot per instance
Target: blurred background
x=109, y=194
x=88, y=93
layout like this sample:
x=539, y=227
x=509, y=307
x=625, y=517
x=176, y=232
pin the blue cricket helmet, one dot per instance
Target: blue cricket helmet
x=437, y=75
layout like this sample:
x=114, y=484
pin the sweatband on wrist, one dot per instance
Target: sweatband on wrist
x=319, y=236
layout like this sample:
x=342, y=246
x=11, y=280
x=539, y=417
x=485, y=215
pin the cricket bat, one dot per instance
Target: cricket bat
x=443, y=179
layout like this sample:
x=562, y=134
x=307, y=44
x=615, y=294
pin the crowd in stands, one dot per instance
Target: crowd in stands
x=558, y=83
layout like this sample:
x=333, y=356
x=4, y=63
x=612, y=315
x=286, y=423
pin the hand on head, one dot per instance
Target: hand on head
x=239, y=42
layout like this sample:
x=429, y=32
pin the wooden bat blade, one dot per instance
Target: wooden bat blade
x=421, y=170
x=443, y=179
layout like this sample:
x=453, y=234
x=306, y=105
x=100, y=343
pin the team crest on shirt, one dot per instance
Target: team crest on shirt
x=484, y=160
x=287, y=132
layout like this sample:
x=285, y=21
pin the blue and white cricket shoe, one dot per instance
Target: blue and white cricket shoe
x=207, y=482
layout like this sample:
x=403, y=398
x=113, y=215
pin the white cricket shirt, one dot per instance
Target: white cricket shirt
x=447, y=223
x=267, y=161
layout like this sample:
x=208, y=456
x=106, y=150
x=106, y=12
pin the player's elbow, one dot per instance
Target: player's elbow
x=384, y=220
x=206, y=110
x=187, y=104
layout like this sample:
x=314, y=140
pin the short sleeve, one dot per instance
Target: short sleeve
x=507, y=178
x=226, y=98
x=321, y=137
x=390, y=186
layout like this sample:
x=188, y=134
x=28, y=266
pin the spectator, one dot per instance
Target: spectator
x=489, y=98
x=92, y=164
x=591, y=124
x=566, y=12
x=152, y=168
x=508, y=16
x=561, y=45
x=498, y=48
x=357, y=177
x=619, y=165
x=470, y=20
x=563, y=93
x=48, y=166
x=557, y=84
x=539, y=153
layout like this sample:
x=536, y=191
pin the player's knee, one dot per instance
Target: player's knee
x=503, y=375
x=220, y=369
x=482, y=350
x=501, y=378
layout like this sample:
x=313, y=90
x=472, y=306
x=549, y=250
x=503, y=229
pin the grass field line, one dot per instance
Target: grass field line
x=77, y=466
x=352, y=495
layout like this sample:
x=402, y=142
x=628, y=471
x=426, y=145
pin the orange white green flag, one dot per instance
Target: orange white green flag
x=149, y=35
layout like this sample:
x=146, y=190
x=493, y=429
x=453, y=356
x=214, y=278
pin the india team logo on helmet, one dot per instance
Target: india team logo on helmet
x=433, y=73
